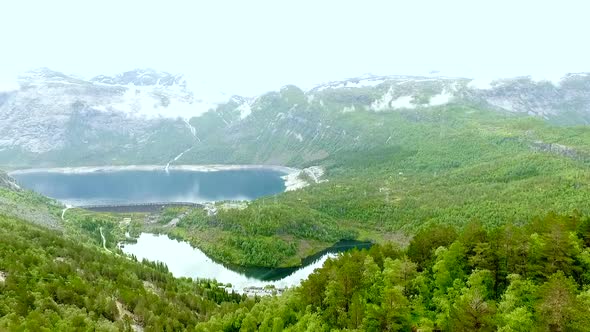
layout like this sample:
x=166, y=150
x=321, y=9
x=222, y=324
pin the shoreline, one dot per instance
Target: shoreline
x=193, y=168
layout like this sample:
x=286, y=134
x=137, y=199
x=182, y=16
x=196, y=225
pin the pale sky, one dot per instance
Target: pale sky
x=249, y=47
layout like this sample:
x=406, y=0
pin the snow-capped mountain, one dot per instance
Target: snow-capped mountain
x=146, y=116
x=50, y=106
x=142, y=77
x=139, y=92
x=567, y=100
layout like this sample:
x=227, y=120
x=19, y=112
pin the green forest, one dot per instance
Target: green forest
x=513, y=278
x=479, y=220
x=533, y=277
x=49, y=282
x=296, y=166
x=446, y=165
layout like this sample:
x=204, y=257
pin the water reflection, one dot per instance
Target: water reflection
x=185, y=261
x=146, y=186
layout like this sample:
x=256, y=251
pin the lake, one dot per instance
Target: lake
x=185, y=261
x=191, y=184
x=136, y=186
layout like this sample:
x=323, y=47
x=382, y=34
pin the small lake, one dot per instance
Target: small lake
x=120, y=187
x=185, y=261
x=140, y=185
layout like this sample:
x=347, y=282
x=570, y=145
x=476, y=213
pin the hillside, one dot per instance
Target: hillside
x=48, y=282
x=446, y=165
x=512, y=278
x=150, y=117
x=294, y=166
x=401, y=156
x=27, y=205
x=399, y=152
x=8, y=182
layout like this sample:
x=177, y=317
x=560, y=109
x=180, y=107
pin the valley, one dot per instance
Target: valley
x=294, y=166
x=383, y=175
x=387, y=173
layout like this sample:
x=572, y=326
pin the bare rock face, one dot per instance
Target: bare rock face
x=8, y=182
x=558, y=149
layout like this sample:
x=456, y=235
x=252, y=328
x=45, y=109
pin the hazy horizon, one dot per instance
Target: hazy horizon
x=304, y=43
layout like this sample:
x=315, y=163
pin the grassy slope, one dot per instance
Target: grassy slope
x=30, y=206
x=390, y=173
x=447, y=165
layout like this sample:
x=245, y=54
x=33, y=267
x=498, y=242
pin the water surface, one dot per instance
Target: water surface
x=149, y=186
x=185, y=261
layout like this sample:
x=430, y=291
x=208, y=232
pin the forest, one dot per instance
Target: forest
x=515, y=277
x=446, y=165
x=297, y=166
x=533, y=277
x=480, y=223
x=50, y=282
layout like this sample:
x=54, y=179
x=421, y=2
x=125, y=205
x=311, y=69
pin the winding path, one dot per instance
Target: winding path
x=63, y=212
x=104, y=241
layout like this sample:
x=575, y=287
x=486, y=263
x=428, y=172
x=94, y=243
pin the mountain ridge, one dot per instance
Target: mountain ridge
x=145, y=116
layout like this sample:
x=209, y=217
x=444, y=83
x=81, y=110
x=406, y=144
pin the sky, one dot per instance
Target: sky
x=249, y=47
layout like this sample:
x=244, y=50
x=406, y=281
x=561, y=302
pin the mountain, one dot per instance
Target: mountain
x=475, y=197
x=142, y=77
x=8, y=182
x=54, y=116
x=146, y=116
x=566, y=101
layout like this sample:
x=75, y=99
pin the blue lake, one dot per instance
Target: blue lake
x=147, y=186
x=91, y=187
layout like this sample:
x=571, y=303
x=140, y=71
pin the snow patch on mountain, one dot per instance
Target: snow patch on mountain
x=553, y=78
x=388, y=101
x=152, y=103
x=403, y=102
x=245, y=110
x=440, y=99
x=383, y=103
x=367, y=80
x=481, y=83
x=145, y=93
x=577, y=74
x=353, y=84
x=302, y=178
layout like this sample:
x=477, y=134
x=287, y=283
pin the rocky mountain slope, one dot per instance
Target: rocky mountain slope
x=27, y=205
x=145, y=116
x=8, y=182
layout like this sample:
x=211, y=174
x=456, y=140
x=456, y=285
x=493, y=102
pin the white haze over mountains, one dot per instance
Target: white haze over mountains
x=250, y=47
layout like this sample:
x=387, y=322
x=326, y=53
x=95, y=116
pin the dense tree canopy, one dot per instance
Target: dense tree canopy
x=531, y=278
x=52, y=283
